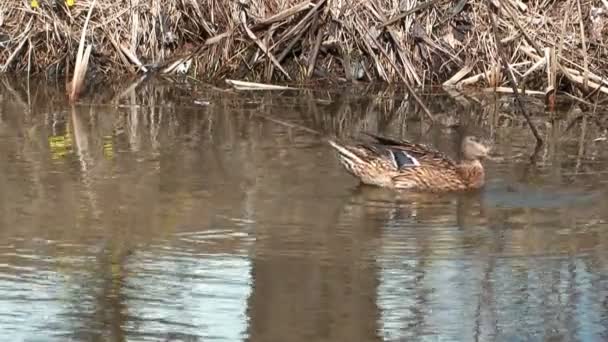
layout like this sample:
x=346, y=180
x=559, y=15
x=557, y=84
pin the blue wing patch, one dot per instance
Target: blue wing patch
x=403, y=159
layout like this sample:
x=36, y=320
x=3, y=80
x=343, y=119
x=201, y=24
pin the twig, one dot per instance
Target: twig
x=262, y=46
x=82, y=60
x=299, y=26
x=243, y=85
x=293, y=42
x=584, y=46
x=563, y=32
x=13, y=54
x=282, y=15
x=505, y=66
x=474, y=79
x=132, y=57
x=539, y=64
x=366, y=39
x=396, y=43
x=551, y=61
x=312, y=60
x=458, y=76
x=522, y=30
x=508, y=90
x=579, y=81
x=407, y=84
x=411, y=11
x=595, y=91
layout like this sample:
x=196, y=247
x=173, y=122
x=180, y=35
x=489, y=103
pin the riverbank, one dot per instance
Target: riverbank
x=548, y=46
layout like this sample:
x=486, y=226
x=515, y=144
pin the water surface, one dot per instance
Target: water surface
x=184, y=213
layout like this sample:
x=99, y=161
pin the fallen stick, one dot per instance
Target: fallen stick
x=244, y=85
x=458, y=76
x=508, y=90
x=580, y=81
x=473, y=79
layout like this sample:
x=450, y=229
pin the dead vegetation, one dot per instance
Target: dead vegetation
x=548, y=46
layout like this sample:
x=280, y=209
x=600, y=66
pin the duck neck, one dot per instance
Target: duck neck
x=472, y=172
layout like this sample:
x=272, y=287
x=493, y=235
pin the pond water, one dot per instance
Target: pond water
x=181, y=212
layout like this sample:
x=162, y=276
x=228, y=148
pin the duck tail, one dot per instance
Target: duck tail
x=346, y=153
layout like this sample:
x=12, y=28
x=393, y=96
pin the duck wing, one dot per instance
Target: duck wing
x=378, y=155
x=398, y=158
x=423, y=154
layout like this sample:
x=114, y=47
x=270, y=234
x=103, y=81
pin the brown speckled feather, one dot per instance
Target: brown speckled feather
x=473, y=173
x=429, y=178
x=423, y=153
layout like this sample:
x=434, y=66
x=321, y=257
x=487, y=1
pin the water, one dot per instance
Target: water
x=144, y=216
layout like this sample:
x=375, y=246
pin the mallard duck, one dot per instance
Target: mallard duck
x=404, y=165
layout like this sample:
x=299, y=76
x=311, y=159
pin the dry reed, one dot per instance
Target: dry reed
x=549, y=45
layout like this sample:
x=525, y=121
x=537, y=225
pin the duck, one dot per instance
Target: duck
x=404, y=165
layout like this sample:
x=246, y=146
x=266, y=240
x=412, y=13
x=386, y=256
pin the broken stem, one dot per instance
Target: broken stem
x=505, y=66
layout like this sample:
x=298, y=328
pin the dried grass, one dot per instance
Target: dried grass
x=405, y=41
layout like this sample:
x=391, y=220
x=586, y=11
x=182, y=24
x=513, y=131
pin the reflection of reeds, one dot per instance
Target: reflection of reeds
x=164, y=110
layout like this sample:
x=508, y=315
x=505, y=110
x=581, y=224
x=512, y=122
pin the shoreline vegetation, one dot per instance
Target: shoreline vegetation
x=197, y=112
x=539, y=47
x=548, y=45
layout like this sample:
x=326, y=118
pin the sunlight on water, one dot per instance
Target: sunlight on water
x=204, y=295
